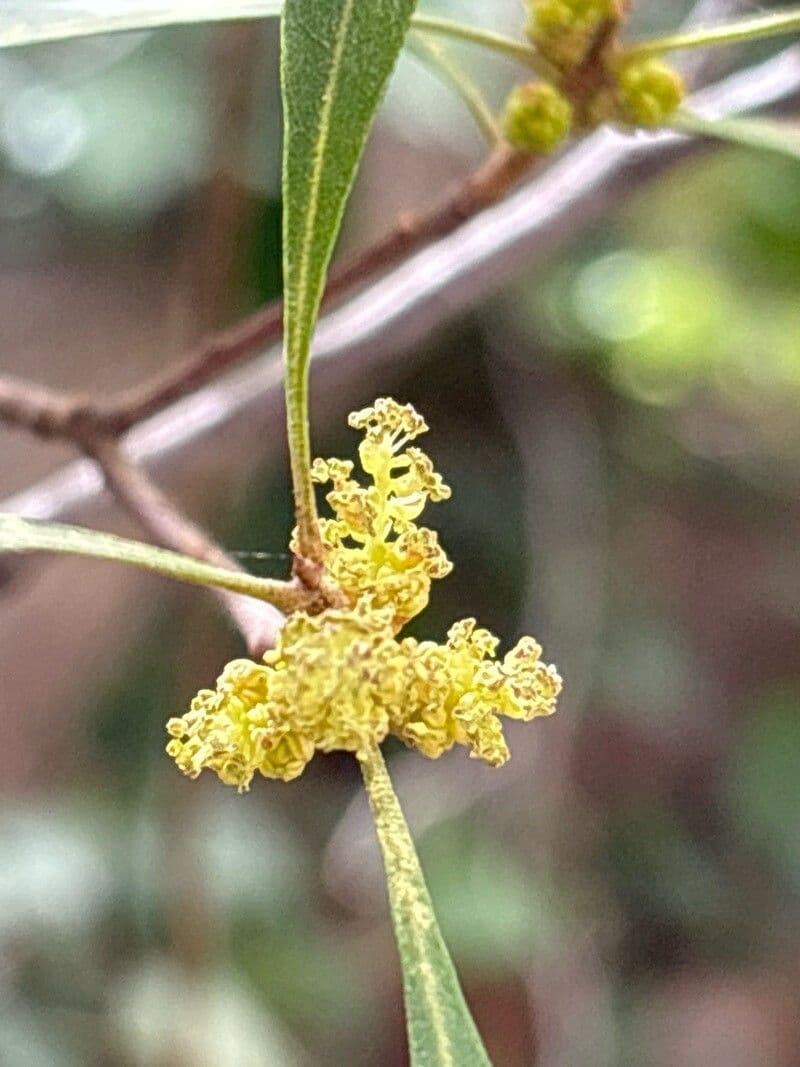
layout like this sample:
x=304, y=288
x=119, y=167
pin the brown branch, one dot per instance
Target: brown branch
x=501, y=171
x=258, y=622
x=49, y=413
x=53, y=415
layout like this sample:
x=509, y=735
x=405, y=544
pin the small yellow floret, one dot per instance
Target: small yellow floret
x=233, y=731
x=374, y=548
x=455, y=692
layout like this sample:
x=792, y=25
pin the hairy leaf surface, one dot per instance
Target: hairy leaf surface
x=764, y=135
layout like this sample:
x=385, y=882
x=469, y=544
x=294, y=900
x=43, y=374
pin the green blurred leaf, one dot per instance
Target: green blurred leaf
x=304, y=975
x=497, y=917
x=441, y=1031
x=746, y=133
x=26, y=535
x=25, y=22
x=766, y=776
x=336, y=58
x=657, y=859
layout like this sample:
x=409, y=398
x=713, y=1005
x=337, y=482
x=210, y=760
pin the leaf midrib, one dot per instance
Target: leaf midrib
x=320, y=150
x=444, y=1048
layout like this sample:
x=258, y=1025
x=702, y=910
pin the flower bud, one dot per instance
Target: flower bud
x=650, y=91
x=567, y=14
x=537, y=117
x=563, y=30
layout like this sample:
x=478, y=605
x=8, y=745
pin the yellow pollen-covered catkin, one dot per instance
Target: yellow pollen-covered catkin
x=341, y=680
x=373, y=545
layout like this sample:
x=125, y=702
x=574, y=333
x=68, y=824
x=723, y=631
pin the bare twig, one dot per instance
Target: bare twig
x=47, y=412
x=51, y=414
x=502, y=170
x=258, y=622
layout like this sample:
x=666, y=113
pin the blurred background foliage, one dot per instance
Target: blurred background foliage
x=621, y=433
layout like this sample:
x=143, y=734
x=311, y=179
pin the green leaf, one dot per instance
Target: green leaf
x=761, y=134
x=336, y=58
x=27, y=535
x=25, y=22
x=441, y=1031
x=764, y=782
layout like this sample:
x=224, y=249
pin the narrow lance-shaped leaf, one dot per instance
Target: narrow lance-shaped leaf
x=24, y=22
x=27, y=535
x=765, y=135
x=441, y=1032
x=336, y=58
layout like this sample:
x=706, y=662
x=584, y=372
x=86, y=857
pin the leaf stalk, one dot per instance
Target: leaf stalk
x=739, y=32
x=495, y=42
x=19, y=535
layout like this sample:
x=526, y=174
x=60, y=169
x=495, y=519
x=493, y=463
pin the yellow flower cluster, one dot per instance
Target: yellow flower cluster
x=343, y=679
x=374, y=548
x=455, y=693
x=593, y=80
x=326, y=686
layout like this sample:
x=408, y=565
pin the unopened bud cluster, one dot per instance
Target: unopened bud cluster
x=592, y=82
x=343, y=679
x=565, y=31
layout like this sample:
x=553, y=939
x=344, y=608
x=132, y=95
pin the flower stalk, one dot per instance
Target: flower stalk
x=494, y=42
x=739, y=32
x=453, y=74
